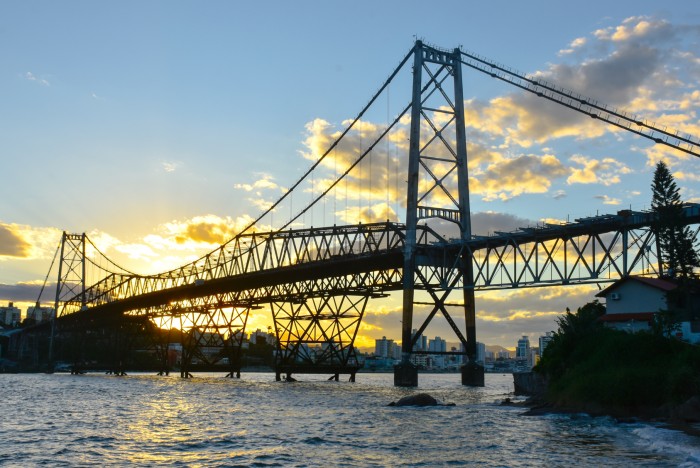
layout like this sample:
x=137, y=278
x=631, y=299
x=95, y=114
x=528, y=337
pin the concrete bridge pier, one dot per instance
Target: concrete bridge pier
x=473, y=375
x=405, y=375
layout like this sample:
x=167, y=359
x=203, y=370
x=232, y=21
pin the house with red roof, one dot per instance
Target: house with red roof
x=632, y=302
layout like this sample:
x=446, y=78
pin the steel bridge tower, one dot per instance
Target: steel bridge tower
x=438, y=187
x=71, y=280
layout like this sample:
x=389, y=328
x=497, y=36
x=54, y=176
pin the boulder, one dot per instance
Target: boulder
x=688, y=411
x=419, y=399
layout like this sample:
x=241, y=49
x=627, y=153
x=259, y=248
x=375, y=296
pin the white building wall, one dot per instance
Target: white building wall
x=631, y=326
x=634, y=297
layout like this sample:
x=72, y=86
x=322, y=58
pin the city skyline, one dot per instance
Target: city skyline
x=162, y=129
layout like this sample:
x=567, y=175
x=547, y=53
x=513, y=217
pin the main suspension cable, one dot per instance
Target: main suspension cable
x=686, y=143
x=328, y=151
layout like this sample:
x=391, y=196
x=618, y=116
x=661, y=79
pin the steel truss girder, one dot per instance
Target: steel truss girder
x=319, y=330
x=526, y=257
x=210, y=328
x=566, y=260
x=261, y=252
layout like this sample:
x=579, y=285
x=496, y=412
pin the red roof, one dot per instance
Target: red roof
x=658, y=283
x=638, y=317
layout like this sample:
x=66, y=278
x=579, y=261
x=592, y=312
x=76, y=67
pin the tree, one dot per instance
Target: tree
x=574, y=328
x=675, y=241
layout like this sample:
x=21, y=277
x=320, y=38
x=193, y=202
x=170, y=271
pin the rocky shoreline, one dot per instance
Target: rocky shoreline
x=684, y=417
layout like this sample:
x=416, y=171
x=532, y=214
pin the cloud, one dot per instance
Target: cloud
x=608, y=200
x=265, y=182
x=689, y=176
x=12, y=244
x=171, y=166
x=606, y=171
x=29, y=76
x=510, y=177
x=196, y=235
x=27, y=242
x=26, y=291
x=644, y=65
x=488, y=222
x=575, y=44
x=559, y=194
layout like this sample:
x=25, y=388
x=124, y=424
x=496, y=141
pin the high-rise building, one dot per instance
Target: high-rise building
x=544, y=341
x=395, y=352
x=437, y=344
x=383, y=347
x=421, y=342
x=480, y=353
x=523, y=349
x=10, y=315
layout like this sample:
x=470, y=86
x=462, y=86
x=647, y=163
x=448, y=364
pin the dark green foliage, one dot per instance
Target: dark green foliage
x=665, y=323
x=592, y=366
x=573, y=327
x=678, y=253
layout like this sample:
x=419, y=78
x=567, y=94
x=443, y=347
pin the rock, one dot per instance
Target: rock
x=419, y=399
x=688, y=411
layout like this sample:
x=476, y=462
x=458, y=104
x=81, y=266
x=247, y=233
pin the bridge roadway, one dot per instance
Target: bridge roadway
x=366, y=260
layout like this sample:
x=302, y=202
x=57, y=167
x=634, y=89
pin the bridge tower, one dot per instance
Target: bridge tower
x=438, y=187
x=71, y=280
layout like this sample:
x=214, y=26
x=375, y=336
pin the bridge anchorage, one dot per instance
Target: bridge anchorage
x=318, y=283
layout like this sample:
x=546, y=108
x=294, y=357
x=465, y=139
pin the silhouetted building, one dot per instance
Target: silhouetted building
x=544, y=341
x=40, y=314
x=10, y=316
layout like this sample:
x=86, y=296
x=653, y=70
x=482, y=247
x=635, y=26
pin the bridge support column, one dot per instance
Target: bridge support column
x=405, y=375
x=473, y=375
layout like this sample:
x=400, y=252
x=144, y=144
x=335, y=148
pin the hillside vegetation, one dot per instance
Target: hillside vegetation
x=597, y=369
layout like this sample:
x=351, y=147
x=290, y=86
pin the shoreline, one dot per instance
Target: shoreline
x=684, y=417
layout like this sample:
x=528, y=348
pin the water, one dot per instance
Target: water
x=94, y=419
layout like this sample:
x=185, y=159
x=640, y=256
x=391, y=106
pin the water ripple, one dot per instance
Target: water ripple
x=211, y=421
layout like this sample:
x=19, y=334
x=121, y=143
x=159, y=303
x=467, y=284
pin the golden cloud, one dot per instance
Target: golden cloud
x=511, y=177
x=604, y=171
x=19, y=241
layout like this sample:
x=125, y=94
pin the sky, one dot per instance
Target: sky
x=161, y=128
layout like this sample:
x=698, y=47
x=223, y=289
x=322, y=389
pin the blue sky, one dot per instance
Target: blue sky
x=148, y=124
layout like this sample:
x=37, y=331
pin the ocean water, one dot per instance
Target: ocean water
x=146, y=420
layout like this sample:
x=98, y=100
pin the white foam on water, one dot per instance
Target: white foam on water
x=669, y=441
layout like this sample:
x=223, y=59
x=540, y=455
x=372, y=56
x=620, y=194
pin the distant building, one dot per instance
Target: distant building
x=480, y=353
x=263, y=337
x=534, y=357
x=421, y=342
x=383, y=347
x=437, y=344
x=503, y=354
x=395, y=352
x=544, y=341
x=10, y=316
x=40, y=314
x=632, y=302
x=523, y=349
x=420, y=360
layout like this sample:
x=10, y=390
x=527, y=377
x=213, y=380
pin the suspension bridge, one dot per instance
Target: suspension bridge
x=317, y=282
